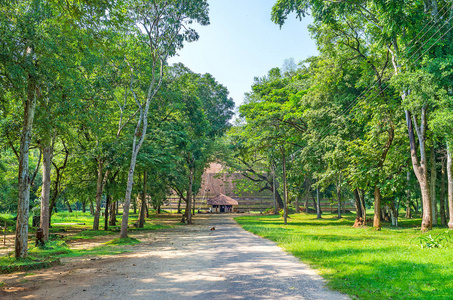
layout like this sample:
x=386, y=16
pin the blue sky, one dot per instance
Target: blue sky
x=242, y=42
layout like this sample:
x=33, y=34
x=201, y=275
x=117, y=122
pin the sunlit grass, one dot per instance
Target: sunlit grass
x=61, y=236
x=123, y=241
x=59, y=249
x=370, y=264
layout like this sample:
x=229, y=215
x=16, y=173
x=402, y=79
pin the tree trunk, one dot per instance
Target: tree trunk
x=339, y=196
x=358, y=209
x=112, y=215
x=45, y=190
x=450, y=188
x=433, y=185
x=21, y=241
x=91, y=208
x=313, y=198
x=193, y=204
x=99, y=189
x=97, y=211
x=184, y=218
x=140, y=133
x=394, y=215
x=130, y=175
x=285, y=189
x=420, y=168
x=307, y=193
x=274, y=191
x=408, y=197
x=179, y=206
x=127, y=199
x=189, y=197
x=443, y=217
x=362, y=201
x=106, y=212
x=141, y=220
x=56, y=183
x=377, y=208
x=101, y=180
x=68, y=206
x=318, y=204
x=84, y=206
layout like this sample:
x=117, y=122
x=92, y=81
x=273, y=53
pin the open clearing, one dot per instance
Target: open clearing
x=183, y=262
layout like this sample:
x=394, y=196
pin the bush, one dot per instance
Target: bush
x=429, y=241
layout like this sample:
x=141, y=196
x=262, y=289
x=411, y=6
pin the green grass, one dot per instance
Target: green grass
x=363, y=262
x=123, y=241
x=74, y=217
x=38, y=256
x=57, y=246
x=89, y=235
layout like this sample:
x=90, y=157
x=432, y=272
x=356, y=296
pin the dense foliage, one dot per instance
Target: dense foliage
x=369, y=117
x=86, y=93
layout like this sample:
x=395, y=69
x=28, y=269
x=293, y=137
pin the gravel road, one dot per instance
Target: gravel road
x=185, y=262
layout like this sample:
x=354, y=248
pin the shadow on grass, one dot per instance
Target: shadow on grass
x=363, y=262
x=377, y=279
x=311, y=223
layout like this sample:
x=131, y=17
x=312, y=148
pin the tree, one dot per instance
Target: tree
x=393, y=28
x=161, y=29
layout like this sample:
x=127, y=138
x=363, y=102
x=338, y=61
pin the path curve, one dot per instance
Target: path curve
x=186, y=262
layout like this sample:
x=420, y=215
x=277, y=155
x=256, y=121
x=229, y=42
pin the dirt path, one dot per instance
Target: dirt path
x=185, y=262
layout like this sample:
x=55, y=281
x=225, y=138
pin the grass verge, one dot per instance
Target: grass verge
x=59, y=245
x=363, y=262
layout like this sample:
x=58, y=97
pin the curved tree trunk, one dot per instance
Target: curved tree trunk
x=179, y=206
x=66, y=202
x=140, y=132
x=420, y=167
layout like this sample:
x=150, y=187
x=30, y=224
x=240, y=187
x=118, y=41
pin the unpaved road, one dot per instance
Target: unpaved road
x=186, y=262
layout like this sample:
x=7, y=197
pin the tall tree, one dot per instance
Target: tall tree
x=161, y=29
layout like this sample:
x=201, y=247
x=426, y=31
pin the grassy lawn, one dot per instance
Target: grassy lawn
x=363, y=262
x=59, y=245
